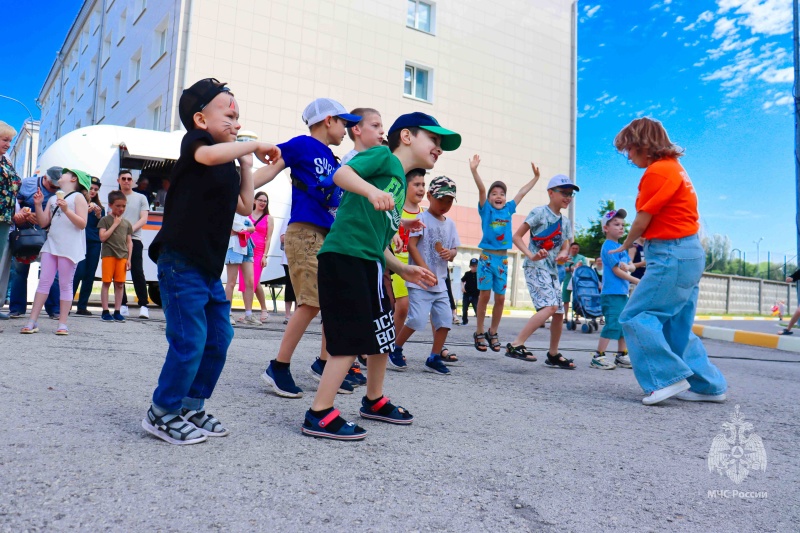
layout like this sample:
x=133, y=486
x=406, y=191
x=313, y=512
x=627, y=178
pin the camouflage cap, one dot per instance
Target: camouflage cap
x=442, y=186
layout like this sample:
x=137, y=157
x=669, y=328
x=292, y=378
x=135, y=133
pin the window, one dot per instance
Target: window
x=84, y=39
x=138, y=9
x=135, y=72
x=123, y=22
x=115, y=94
x=420, y=15
x=101, y=105
x=74, y=59
x=106, y=51
x=89, y=117
x=417, y=82
x=96, y=18
x=160, y=37
x=81, y=85
x=155, y=115
x=92, y=69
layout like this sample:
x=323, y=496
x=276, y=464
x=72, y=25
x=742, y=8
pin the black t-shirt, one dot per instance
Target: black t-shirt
x=199, y=210
x=470, y=280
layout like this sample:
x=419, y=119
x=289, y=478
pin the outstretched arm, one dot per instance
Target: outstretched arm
x=267, y=173
x=640, y=224
x=528, y=186
x=473, y=166
x=349, y=180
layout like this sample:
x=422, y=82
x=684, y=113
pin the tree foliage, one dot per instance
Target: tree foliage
x=591, y=238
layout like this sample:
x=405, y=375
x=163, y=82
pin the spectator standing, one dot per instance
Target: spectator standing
x=469, y=290
x=136, y=210
x=84, y=274
x=261, y=237
x=10, y=183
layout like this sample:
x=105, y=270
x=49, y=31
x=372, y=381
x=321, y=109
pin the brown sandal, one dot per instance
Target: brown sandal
x=494, y=342
x=478, y=340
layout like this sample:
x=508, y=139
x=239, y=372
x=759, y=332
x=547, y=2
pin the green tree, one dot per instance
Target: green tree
x=718, y=250
x=591, y=238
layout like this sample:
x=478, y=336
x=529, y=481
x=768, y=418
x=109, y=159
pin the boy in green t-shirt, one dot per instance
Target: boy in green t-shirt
x=357, y=314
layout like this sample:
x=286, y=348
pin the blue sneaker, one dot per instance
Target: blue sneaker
x=331, y=426
x=355, y=375
x=107, y=316
x=397, y=361
x=436, y=365
x=316, y=372
x=118, y=317
x=281, y=382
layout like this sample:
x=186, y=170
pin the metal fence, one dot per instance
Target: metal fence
x=718, y=293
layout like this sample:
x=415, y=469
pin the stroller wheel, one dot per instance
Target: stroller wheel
x=586, y=328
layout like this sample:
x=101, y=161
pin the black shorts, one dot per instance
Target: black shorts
x=356, y=311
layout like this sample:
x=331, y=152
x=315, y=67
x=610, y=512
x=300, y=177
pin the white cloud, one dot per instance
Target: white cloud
x=724, y=27
x=768, y=17
x=590, y=11
x=634, y=27
x=738, y=75
x=778, y=75
x=679, y=19
x=704, y=18
x=779, y=99
x=723, y=197
x=664, y=34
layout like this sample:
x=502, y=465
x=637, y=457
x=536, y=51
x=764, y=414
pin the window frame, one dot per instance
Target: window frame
x=415, y=68
x=432, y=16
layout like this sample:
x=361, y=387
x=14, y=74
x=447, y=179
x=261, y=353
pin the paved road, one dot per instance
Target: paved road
x=501, y=445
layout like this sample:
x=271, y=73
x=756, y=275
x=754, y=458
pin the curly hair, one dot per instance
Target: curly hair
x=648, y=136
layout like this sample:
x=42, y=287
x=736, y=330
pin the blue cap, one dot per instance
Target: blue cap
x=450, y=139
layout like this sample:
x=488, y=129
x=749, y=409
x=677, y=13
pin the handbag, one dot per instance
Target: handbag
x=27, y=242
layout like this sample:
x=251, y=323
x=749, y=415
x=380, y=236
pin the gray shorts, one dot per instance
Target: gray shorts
x=422, y=304
x=544, y=289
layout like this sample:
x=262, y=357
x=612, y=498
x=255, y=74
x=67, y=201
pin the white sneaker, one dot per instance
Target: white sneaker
x=667, y=392
x=252, y=321
x=690, y=396
x=123, y=310
x=623, y=361
x=143, y=312
x=233, y=322
x=599, y=362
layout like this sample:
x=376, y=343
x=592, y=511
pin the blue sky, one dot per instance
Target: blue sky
x=718, y=74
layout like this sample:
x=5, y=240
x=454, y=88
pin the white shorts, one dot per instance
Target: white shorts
x=422, y=304
x=544, y=289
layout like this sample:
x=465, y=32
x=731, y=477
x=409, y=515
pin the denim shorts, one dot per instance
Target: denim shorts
x=235, y=258
x=612, y=305
x=422, y=304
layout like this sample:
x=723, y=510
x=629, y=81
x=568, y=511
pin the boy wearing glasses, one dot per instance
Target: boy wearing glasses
x=550, y=236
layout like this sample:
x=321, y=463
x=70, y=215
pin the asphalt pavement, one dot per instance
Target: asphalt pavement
x=500, y=445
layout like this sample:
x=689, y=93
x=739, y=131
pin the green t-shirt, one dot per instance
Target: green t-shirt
x=359, y=230
x=571, y=262
x=117, y=244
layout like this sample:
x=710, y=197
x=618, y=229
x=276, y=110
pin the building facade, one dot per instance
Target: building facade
x=500, y=74
x=26, y=146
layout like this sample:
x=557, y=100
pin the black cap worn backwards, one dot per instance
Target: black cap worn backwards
x=197, y=97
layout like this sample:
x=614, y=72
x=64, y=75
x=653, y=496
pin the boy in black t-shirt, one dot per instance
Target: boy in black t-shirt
x=190, y=252
x=469, y=289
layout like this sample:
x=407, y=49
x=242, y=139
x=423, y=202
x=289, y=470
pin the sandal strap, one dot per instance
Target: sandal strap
x=380, y=403
x=330, y=417
x=174, y=425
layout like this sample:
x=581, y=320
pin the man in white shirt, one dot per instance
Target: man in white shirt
x=136, y=211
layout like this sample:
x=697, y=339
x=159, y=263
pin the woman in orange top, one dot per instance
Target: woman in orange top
x=667, y=358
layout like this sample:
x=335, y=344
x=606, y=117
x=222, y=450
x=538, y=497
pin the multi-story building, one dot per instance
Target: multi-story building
x=26, y=145
x=501, y=74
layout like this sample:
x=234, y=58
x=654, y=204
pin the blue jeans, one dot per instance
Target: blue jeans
x=198, y=332
x=658, y=320
x=84, y=273
x=18, y=301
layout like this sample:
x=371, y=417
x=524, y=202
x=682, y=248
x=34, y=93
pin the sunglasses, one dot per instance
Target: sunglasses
x=126, y=179
x=569, y=193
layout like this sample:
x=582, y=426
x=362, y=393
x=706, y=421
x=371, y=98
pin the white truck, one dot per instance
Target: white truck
x=102, y=151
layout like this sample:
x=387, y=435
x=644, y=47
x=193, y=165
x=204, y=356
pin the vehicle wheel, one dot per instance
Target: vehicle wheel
x=154, y=292
x=586, y=328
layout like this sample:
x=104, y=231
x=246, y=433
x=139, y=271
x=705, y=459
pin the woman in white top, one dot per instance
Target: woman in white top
x=66, y=213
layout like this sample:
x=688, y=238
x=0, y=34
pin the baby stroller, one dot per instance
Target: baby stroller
x=585, y=299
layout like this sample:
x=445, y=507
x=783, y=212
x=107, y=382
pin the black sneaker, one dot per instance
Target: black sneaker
x=317, y=368
x=83, y=312
x=356, y=375
x=281, y=382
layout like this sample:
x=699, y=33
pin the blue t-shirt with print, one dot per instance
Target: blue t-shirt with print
x=314, y=195
x=611, y=283
x=496, y=225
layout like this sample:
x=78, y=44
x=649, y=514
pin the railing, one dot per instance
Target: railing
x=718, y=293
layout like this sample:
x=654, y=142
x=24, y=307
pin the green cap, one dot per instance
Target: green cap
x=83, y=178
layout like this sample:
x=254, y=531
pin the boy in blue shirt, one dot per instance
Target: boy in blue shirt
x=357, y=311
x=495, y=215
x=614, y=295
x=190, y=253
x=315, y=198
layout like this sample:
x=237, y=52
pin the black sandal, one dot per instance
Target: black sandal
x=520, y=352
x=558, y=361
x=494, y=342
x=450, y=358
x=478, y=340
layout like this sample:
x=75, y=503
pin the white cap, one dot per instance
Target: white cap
x=320, y=108
x=560, y=180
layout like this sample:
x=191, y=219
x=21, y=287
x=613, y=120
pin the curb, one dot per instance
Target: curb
x=764, y=340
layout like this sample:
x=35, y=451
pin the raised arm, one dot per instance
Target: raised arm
x=350, y=181
x=473, y=167
x=528, y=186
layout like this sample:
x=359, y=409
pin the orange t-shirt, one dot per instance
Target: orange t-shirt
x=666, y=192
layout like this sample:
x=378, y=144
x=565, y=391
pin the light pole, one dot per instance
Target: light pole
x=740, y=255
x=758, y=257
x=30, y=133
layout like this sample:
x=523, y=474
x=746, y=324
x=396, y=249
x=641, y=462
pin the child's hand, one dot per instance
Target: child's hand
x=618, y=250
x=267, y=153
x=246, y=161
x=63, y=205
x=397, y=243
x=474, y=162
x=264, y=261
x=117, y=220
x=535, y=170
x=541, y=254
x=563, y=256
x=412, y=224
x=127, y=264
x=38, y=197
x=381, y=201
x=418, y=275
x=789, y=280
